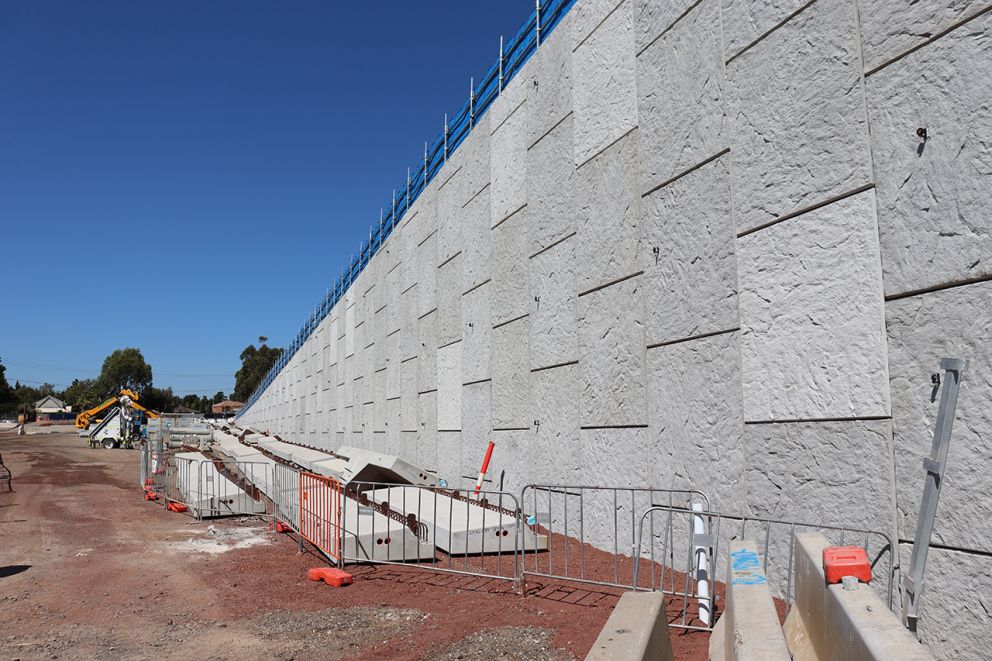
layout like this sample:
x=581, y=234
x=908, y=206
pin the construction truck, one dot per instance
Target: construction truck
x=121, y=424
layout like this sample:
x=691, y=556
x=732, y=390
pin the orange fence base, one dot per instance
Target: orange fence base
x=177, y=507
x=330, y=576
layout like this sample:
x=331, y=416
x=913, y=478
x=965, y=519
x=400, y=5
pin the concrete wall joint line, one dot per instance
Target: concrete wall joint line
x=449, y=178
x=598, y=25
x=555, y=366
x=613, y=427
x=401, y=293
x=947, y=285
x=476, y=194
x=929, y=41
x=672, y=180
x=559, y=241
x=981, y=553
x=427, y=238
x=484, y=282
x=789, y=421
x=427, y=314
x=607, y=147
x=444, y=346
x=510, y=215
x=770, y=31
x=550, y=130
x=691, y=338
x=472, y=383
x=446, y=261
x=611, y=283
x=805, y=210
x=510, y=321
x=669, y=28
x=424, y=392
x=508, y=116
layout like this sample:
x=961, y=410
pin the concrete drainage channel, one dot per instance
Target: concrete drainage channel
x=684, y=566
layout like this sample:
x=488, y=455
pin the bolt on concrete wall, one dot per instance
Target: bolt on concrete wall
x=700, y=244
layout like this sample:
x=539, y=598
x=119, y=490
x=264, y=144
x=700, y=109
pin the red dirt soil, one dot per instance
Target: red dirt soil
x=88, y=569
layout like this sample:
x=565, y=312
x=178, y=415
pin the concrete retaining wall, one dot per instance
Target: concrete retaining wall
x=700, y=244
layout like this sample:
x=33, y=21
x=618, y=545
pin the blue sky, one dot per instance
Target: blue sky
x=185, y=176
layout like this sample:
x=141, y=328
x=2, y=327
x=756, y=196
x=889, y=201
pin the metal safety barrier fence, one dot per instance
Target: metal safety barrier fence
x=212, y=487
x=320, y=513
x=285, y=494
x=513, y=55
x=683, y=551
x=446, y=530
x=592, y=530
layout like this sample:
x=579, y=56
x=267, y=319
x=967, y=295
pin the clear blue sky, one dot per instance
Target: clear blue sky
x=206, y=168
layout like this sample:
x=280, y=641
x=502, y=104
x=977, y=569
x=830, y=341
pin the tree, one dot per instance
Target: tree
x=7, y=395
x=219, y=397
x=81, y=394
x=262, y=339
x=162, y=400
x=125, y=368
x=255, y=364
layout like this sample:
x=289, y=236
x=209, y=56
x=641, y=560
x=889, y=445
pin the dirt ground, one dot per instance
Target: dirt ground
x=89, y=570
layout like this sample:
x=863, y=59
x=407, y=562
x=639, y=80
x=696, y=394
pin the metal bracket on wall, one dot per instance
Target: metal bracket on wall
x=934, y=466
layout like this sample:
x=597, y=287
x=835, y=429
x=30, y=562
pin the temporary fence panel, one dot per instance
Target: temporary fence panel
x=215, y=488
x=457, y=533
x=682, y=552
x=285, y=494
x=320, y=513
x=591, y=531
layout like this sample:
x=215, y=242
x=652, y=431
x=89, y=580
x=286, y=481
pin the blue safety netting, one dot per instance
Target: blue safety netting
x=546, y=16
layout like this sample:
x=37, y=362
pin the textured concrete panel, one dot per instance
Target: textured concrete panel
x=475, y=230
x=449, y=303
x=477, y=429
x=423, y=219
x=611, y=356
x=511, y=376
x=589, y=14
x=604, y=95
x=550, y=100
x=697, y=418
x=475, y=164
x=424, y=452
x=607, y=204
x=955, y=609
x=408, y=332
x=393, y=360
x=449, y=206
x=803, y=472
x=551, y=200
x=792, y=150
x=427, y=357
x=745, y=21
x=553, y=337
x=554, y=450
x=427, y=275
x=680, y=89
x=934, y=196
x=889, y=29
x=408, y=412
x=923, y=329
x=691, y=281
x=508, y=289
x=652, y=18
x=378, y=421
x=813, y=339
x=476, y=329
x=449, y=455
x=349, y=330
x=449, y=387
x=508, y=165
x=601, y=447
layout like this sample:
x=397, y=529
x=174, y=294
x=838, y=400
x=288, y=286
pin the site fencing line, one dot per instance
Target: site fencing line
x=214, y=488
x=285, y=494
x=542, y=21
x=443, y=530
x=680, y=550
x=320, y=513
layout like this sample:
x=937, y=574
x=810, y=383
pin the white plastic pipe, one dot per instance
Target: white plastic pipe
x=701, y=554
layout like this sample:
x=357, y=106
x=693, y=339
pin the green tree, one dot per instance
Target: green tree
x=81, y=394
x=7, y=395
x=162, y=400
x=255, y=363
x=125, y=368
x=219, y=397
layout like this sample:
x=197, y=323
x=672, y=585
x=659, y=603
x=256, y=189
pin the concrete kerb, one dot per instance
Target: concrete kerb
x=637, y=629
x=837, y=622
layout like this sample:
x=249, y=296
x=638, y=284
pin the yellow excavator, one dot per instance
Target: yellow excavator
x=126, y=397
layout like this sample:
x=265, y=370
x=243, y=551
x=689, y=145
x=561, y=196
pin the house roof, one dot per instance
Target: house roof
x=49, y=402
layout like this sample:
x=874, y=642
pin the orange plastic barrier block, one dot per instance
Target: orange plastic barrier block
x=282, y=527
x=330, y=576
x=177, y=507
x=841, y=561
x=151, y=495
